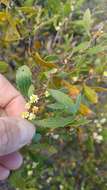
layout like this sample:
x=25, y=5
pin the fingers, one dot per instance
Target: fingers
x=4, y=173
x=16, y=106
x=11, y=161
x=14, y=134
x=10, y=98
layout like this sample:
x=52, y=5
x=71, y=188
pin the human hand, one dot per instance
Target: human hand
x=15, y=132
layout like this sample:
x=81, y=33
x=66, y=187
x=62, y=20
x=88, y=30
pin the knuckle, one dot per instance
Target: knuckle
x=3, y=132
x=4, y=136
x=9, y=136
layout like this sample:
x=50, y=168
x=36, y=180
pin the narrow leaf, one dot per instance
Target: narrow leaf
x=90, y=94
x=54, y=122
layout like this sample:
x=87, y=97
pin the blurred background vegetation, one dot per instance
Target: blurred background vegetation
x=64, y=44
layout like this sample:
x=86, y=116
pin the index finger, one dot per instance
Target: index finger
x=10, y=99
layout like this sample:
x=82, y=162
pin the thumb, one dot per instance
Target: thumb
x=14, y=134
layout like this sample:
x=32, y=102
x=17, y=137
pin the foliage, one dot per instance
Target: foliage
x=56, y=52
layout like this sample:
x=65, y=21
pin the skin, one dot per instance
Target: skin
x=15, y=132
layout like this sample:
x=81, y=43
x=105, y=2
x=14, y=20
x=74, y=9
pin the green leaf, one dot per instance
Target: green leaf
x=104, y=134
x=52, y=58
x=3, y=67
x=66, y=101
x=28, y=3
x=87, y=21
x=80, y=121
x=12, y=34
x=37, y=137
x=62, y=98
x=24, y=79
x=90, y=144
x=54, y=122
x=81, y=47
x=60, y=122
x=77, y=104
x=31, y=90
x=17, y=180
x=67, y=8
x=79, y=3
x=54, y=5
x=72, y=109
x=96, y=49
x=90, y=94
x=56, y=106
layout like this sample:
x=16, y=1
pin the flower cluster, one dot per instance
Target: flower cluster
x=99, y=124
x=32, y=109
x=98, y=138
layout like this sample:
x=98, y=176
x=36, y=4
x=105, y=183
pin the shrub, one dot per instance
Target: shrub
x=57, y=51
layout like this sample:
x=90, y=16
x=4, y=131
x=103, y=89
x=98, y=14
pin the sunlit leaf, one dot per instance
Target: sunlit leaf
x=43, y=63
x=27, y=10
x=12, y=34
x=3, y=16
x=90, y=94
x=85, y=111
x=74, y=91
x=99, y=89
x=5, y=2
x=3, y=67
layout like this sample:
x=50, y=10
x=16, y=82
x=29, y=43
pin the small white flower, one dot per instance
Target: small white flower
x=56, y=136
x=60, y=23
x=96, y=121
x=34, y=165
x=99, y=139
x=49, y=180
x=46, y=94
x=28, y=166
x=28, y=106
x=34, y=98
x=75, y=79
x=105, y=74
x=35, y=109
x=95, y=135
x=25, y=115
x=31, y=116
x=103, y=120
x=61, y=187
x=53, y=71
x=72, y=8
x=30, y=173
x=102, y=114
x=57, y=28
x=100, y=129
x=98, y=125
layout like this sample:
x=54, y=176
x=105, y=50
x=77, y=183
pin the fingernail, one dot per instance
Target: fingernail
x=27, y=131
x=4, y=173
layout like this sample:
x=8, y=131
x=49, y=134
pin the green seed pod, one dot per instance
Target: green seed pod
x=24, y=79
